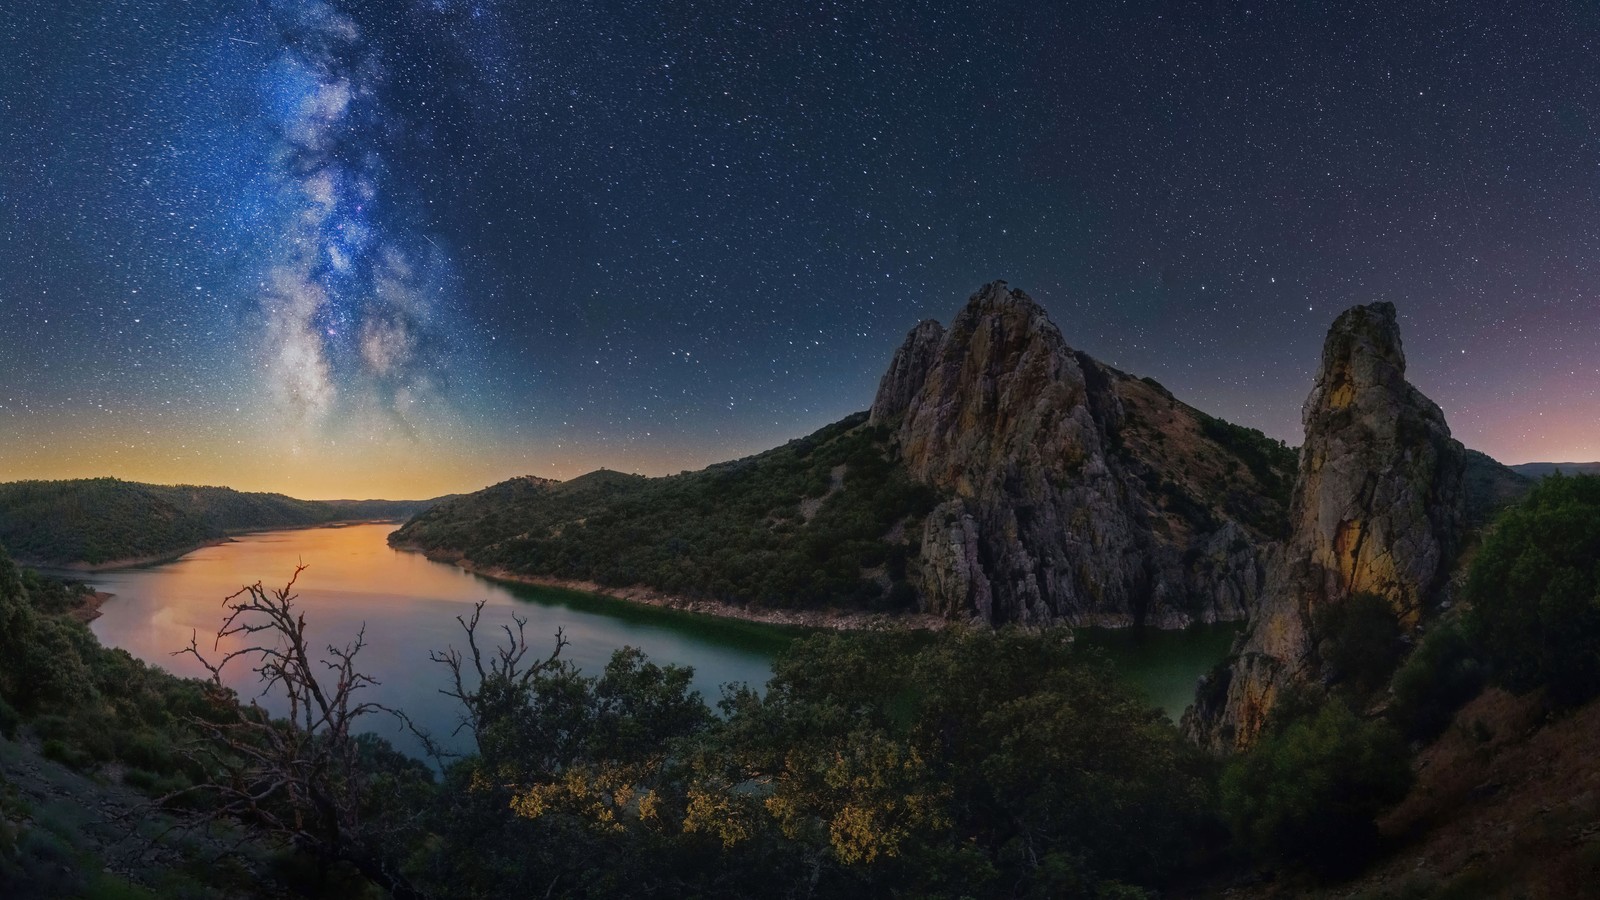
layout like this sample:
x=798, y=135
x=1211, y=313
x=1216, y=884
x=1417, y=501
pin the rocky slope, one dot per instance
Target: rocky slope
x=1379, y=508
x=1074, y=493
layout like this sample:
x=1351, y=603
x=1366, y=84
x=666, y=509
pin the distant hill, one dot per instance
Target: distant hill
x=1491, y=487
x=1537, y=470
x=97, y=521
x=800, y=525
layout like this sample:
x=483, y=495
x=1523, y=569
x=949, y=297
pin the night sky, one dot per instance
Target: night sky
x=402, y=248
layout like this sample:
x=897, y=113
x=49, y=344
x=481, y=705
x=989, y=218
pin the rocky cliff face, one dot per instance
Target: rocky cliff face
x=1378, y=508
x=1075, y=493
x=907, y=371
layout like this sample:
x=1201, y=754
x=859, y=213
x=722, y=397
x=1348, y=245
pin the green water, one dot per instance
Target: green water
x=409, y=604
x=1163, y=665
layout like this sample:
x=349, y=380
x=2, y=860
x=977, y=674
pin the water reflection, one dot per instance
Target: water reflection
x=408, y=605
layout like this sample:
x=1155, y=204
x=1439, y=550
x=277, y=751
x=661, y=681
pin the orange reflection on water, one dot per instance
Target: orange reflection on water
x=408, y=606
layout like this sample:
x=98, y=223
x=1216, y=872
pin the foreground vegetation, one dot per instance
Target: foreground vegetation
x=967, y=763
x=99, y=520
x=961, y=764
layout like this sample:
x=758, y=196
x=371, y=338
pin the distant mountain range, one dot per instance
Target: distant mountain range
x=1537, y=470
x=95, y=522
x=1000, y=476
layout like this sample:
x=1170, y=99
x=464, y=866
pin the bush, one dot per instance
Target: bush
x=1309, y=792
x=1359, y=645
x=1441, y=675
x=10, y=719
x=1535, y=592
x=971, y=763
x=67, y=755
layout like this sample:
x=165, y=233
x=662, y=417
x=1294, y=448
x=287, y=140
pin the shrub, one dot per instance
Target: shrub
x=1309, y=792
x=67, y=755
x=1441, y=675
x=1535, y=592
x=10, y=719
x=1359, y=645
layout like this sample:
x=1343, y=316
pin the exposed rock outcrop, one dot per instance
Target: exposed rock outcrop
x=907, y=371
x=1378, y=508
x=1077, y=494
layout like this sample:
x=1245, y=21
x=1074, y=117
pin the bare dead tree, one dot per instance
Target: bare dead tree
x=502, y=675
x=300, y=778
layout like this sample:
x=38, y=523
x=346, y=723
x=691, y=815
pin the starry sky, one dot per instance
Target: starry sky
x=359, y=248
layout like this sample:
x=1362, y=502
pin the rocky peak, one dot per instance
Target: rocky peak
x=1379, y=504
x=1003, y=383
x=1378, y=508
x=907, y=371
x=1049, y=517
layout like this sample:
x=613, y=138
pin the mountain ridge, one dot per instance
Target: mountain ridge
x=1538, y=470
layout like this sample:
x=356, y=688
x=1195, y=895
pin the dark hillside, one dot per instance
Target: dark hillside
x=1538, y=470
x=823, y=518
x=95, y=521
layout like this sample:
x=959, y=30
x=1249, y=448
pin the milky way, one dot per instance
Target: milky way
x=348, y=305
x=386, y=247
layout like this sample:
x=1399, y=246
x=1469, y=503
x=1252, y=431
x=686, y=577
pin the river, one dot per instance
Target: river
x=409, y=604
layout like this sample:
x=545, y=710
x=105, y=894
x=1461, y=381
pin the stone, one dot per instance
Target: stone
x=1378, y=508
x=1063, y=507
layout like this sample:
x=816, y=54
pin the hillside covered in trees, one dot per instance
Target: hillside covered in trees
x=826, y=518
x=95, y=521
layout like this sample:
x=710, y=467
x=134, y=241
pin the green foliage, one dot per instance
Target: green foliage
x=1359, y=643
x=89, y=705
x=1272, y=462
x=41, y=655
x=97, y=520
x=10, y=720
x=876, y=765
x=1308, y=793
x=966, y=763
x=1439, y=677
x=565, y=795
x=1535, y=592
x=803, y=525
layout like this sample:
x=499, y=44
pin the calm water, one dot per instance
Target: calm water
x=408, y=605
x=1164, y=665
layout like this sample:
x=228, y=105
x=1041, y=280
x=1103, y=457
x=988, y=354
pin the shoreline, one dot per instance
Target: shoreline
x=834, y=620
x=89, y=609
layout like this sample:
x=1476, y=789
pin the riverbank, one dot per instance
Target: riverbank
x=89, y=609
x=832, y=619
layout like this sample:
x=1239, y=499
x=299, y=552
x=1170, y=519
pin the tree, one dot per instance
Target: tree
x=1535, y=592
x=1309, y=792
x=306, y=779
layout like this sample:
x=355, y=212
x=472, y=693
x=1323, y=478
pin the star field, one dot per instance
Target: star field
x=403, y=248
